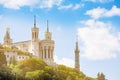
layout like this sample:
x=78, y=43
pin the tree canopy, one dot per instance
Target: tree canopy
x=2, y=59
x=36, y=69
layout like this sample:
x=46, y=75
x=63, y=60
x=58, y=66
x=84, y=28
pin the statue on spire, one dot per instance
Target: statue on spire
x=47, y=26
x=7, y=29
x=34, y=21
x=7, y=33
x=77, y=43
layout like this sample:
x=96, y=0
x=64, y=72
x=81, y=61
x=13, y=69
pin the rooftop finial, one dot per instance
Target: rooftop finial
x=7, y=33
x=77, y=38
x=34, y=21
x=7, y=29
x=77, y=42
x=47, y=26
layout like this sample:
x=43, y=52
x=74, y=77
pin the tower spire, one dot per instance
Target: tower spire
x=7, y=33
x=47, y=26
x=7, y=39
x=77, y=65
x=48, y=34
x=34, y=21
x=77, y=43
x=35, y=31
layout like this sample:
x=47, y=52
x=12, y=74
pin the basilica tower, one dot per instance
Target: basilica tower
x=48, y=34
x=7, y=39
x=47, y=47
x=35, y=40
x=77, y=65
x=101, y=76
x=35, y=31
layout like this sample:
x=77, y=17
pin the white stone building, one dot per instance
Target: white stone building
x=14, y=54
x=43, y=49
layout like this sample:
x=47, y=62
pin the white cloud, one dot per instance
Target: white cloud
x=70, y=6
x=65, y=61
x=16, y=4
x=77, y=6
x=97, y=13
x=0, y=17
x=100, y=1
x=99, y=40
x=119, y=36
x=113, y=12
x=58, y=29
x=65, y=6
x=49, y=3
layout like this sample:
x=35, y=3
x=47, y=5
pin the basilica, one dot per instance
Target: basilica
x=43, y=49
x=36, y=47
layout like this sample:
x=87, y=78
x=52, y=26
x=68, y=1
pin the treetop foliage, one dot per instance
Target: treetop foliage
x=36, y=69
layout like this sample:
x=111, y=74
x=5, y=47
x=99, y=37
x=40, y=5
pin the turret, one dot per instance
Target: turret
x=48, y=34
x=101, y=76
x=77, y=65
x=7, y=39
x=35, y=31
x=35, y=40
x=47, y=47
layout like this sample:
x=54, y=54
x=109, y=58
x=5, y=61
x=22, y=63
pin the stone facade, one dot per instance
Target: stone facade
x=14, y=54
x=101, y=76
x=43, y=49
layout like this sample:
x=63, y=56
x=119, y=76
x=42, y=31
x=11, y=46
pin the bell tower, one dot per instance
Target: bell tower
x=48, y=34
x=35, y=40
x=101, y=76
x=77, y=65
x=47, y=47
x=35, y=31
x=7, y=39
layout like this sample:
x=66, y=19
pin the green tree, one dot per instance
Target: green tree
x=2, y=59
x=13, y=60
x=6, y=73
x=68, y=78
x=50, y=70
x=38, y=75
x=28, y=65
x=33, y=75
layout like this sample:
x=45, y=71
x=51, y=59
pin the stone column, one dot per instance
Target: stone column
x=50, y=53
x=47, y=52
x=43, y=53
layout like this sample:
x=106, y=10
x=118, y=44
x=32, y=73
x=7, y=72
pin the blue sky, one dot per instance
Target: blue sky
x=97, y=23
